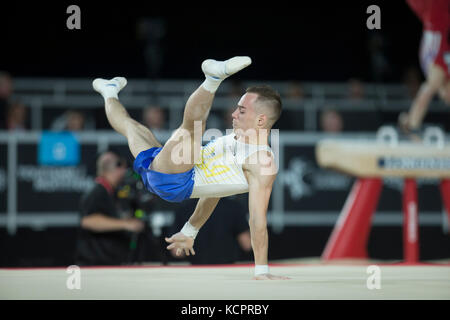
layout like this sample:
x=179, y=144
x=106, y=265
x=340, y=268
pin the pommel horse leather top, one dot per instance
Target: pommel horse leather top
x=371, y=158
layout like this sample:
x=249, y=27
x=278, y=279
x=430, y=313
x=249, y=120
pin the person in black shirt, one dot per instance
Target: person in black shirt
x=225, y=237
x=104, y=236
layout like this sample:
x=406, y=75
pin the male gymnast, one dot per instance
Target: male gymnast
x=236, y=163
x=434, y=60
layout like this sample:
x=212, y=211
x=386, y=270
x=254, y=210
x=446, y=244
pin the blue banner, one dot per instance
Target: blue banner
x=58, y=149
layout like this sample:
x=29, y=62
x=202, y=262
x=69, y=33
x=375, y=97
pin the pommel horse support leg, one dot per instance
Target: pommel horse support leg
x=350, y=235
x=445, y=192
x=410, y=221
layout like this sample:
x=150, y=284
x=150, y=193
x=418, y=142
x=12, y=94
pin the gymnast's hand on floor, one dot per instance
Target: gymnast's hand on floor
x=269, y=276
x=182, y=243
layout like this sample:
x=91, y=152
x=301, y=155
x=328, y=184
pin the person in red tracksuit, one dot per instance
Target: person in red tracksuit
x=434, y=57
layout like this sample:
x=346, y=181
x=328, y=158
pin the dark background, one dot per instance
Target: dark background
x=308, y=40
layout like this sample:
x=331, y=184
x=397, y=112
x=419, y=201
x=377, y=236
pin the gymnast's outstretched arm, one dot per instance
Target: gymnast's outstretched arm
x=184, y=240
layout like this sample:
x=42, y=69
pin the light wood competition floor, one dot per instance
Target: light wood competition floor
x=309, y=281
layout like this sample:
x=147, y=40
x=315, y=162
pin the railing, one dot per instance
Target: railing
x=299, y=181
x=303, y=194
x=40, y=93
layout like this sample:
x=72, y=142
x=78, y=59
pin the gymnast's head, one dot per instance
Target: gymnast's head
x=259, y=108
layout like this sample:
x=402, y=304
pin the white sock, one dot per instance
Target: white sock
x=109, y=88
x=110, y=92
x=211, y=84
x=217, y=71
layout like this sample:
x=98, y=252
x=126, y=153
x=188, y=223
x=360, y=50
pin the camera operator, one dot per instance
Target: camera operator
x=104, y=236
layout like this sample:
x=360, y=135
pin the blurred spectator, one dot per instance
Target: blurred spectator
x=380, y=67
x=290, y=119
x=16, y=117
x=222, y=237
x=355, y=89
x=6, y=90
x=72, y=120
x=412, y=80
x=331, y=121
x=295, y=90
x=75, y=121
x=236, y=89
x=104, y=236
x=154, y=118
x=151, y=32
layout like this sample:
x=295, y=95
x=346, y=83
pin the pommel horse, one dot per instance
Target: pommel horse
x=371, y=161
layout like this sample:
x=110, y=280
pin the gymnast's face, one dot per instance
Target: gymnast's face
x=245, y=116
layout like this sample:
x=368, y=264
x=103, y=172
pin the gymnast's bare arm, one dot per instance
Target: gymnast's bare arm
x=179, y=241
x=260, y=171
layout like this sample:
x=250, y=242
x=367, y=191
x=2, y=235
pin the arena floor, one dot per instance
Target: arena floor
x=308, y=281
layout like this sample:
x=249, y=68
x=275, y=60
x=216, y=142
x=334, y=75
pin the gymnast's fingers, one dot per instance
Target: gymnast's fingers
x=171, y=246
x=170, y=240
